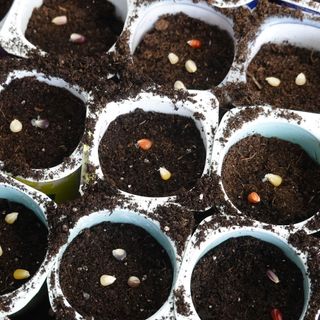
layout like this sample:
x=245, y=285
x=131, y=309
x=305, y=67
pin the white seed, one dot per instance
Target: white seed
x=191, y=66
x=301, y=79
x=178, y=85
x=15, y=126
x=164, y=173
x=1, y=251
x=134, y=282
x=106, y=280
x=77, y=38
x=173, y=58
x=11, y=218
x=60, y=20
x=274, y=82
x=119, y=254
x=274, y=179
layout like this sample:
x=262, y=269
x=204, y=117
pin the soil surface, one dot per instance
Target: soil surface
x=90, y=255
x=177, y=146
x=24, y=244
x=4, y=7
x=245, y=166
x=94, y=19
x=170, y=34
x=231, y=282
x=285, y=62
x=33, y=147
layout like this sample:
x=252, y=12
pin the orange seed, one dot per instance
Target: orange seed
x=194, y=43
x=144, y=144
x=253, y=197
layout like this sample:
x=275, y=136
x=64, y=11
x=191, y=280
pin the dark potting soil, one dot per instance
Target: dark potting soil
x=24, y=244
x=177, y=146
x=170, y=34
x=4, y=7
x=245, y=166
x=231, y=282
x=90, y=255
x=26, y=99
x=94, y=19
x=285, y=62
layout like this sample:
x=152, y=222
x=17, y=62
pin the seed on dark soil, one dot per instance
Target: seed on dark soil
x=123, y=299
x=24, y=245
x=177, y=147
x=245, y=166
x=65, y=113
x=94, y=20
x=230, y=281
x=286, y=62
x=172, y=33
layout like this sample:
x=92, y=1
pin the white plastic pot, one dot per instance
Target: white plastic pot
x=12, y=33
x=205, y=103
x=214, y=235
x=118, y=215
x=270, y=123
x=17, y=192
x=303, y=33
x=60, y=181
x=146, y=16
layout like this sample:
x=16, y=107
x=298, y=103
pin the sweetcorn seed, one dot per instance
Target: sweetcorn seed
x=21, y=274
x=134, y=282
x=164, y=173
x=15, y=126
x=178, y=85
x=301, y=79
x=106, y=280
x=60, y=20
x=119, y=254
x=191, y=66
x=274, y=179
x=11, y=218
x=173, y=58
x=273, y=81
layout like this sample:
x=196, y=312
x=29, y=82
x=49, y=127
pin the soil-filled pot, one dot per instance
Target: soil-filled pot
x=15, y=35
x=42, y=129
x=213, y=237
x=117, y=260
x=202, y=113
x=289, y=83
x=153, y=25
x=298, y=132
x=24, y=253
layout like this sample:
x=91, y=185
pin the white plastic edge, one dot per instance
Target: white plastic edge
x=12, y=32
x=205, y=103
x=270, y=123
x=118, y=215
x=35, y=201
x=64, y=169
x=215, y=235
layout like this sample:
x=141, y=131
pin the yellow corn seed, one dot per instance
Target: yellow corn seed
x=21, y=274
x=274, y=82
x=164, y=173
x=11, y=218
x=274, y=179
